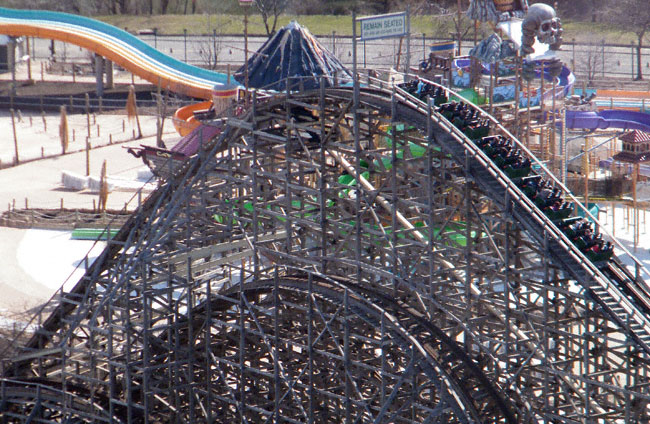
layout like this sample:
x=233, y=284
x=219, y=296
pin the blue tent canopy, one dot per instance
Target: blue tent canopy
x=292, y=52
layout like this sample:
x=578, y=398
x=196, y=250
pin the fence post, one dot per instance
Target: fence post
x=214, y=47
x=573, y=54
x=424, y=47
x=632, y=61
x=13, y=124
x=603, y=58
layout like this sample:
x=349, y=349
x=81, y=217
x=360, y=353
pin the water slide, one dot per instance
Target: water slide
x=605, y=119
x=117, y=45
x=184, y=119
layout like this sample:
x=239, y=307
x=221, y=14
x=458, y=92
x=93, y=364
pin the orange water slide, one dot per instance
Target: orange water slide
x=184, y=119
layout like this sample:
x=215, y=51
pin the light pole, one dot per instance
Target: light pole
x=185, y=43
x=246, y=4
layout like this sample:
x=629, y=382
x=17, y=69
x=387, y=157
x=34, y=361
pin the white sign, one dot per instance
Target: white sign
x=383, y=26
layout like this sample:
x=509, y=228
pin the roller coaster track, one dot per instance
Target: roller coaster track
x=426, y=257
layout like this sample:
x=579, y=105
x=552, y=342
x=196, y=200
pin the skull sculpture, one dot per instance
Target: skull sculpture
x=541, y=22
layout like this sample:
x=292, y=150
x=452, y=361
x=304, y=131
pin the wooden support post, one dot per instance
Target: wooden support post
x=542, y=118
x=13, y=125
x=517, y=91
x=635, y=212
x=88, y=113
x=585, y=170
x=29, y=62
x=552, y=145
x=613, y=219
x=88, y=156
x=159, y=142
x=528, y=117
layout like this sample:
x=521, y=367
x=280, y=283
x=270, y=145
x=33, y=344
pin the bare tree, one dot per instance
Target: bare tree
x=210, y=47
x=164, y=5
x=193, y=7
x=632, y=16
x=591, y=60
x=271, y=10
x=462, y=25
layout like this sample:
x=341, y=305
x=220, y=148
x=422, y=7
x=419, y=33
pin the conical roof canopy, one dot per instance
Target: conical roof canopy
x=290, y=52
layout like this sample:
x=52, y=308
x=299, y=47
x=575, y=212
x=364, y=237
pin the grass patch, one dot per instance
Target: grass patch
x=323, y=25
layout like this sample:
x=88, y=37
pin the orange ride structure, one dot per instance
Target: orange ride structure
x=187, y=118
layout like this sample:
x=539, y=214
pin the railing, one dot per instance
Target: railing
x=74, y=104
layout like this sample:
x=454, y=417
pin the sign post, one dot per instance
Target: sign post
x=246, y=4
x=386, y=26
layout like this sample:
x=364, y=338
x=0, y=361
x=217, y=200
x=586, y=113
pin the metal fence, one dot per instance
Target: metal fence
x=588, y=61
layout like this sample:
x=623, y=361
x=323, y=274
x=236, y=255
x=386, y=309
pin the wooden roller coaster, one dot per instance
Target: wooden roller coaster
x=341, y=255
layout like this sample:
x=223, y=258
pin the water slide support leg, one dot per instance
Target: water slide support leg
x=11, y=59
x=108, y=69
x=99, y=74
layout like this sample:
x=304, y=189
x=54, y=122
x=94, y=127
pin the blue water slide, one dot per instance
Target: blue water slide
x=623, y=119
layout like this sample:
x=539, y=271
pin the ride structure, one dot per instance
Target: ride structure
x=375, y=253
x=254, y=285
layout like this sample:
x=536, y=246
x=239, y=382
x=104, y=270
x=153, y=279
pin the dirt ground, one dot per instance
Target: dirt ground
x=36, y=181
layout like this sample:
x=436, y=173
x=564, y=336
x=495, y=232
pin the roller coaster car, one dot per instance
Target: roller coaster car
x=518, y=170
x=579, y=231
x=600, y=253
x=588, y=240
x=577, y=227
x=491, y=145
x=567, y=222
x=476, y=130
x=547, y=197
x=558, y=211
x=410, y=87
x=422, y=90
x=451, y=110
x=505, y=157
x=530, y=185
x=489, y=141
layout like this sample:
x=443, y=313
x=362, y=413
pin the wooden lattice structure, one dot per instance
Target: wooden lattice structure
x=338, y=257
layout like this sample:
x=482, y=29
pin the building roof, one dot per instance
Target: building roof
x=635, y=136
